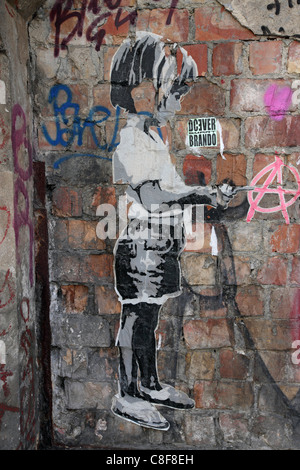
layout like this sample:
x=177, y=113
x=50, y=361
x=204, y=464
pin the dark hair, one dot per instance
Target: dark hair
x=144, y=59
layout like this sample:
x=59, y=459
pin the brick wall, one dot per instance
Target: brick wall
x=228, y=340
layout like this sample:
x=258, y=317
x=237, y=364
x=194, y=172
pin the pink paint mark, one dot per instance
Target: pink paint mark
x=275, y=170
x=277, y=101
x=295, y=317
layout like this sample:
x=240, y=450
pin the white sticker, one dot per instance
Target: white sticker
x=202, y=132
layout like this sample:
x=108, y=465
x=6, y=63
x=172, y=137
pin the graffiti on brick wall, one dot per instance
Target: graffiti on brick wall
x=27, y=379
x=22, y=150
x=70, y=130
x=147, y=266
x=65, y=10
x=5, y=373
x=286, y=197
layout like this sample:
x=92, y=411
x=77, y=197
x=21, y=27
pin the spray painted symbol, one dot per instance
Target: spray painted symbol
x=274, y=170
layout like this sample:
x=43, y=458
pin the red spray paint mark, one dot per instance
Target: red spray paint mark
x=6, y=291
x=277, y=101
x=7, y=223
x=275, y=170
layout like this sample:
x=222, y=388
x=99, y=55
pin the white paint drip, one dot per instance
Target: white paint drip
x=213, y=242
x=298, y=161
x=2, y=92
x=2, y=352
x=219, y=129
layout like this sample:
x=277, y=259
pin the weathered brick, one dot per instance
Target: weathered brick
x=248, y=94
x=80, y=268
x=235, y=427
x=209, y=333
x=75, y=298
x=227, y=59
x=274, y=271
x=261, y=131
x=224, y=395
x=85, y=395
x=214, y=23
x=245, y=237
x=250, y=300
x=199, y=269
x=265, y=57
x=201, y=365
x=204, y=97
x=233, y=168
x=199, y=53
x=295, y=274
x=92, y=330
x=104, y=195
x=107, y=300
x=260, y=162
x=82, y=235
x=286, y=239
x=200, y=430
x=269, y=335
x=155, y=22
x=282, y=301
x=196, y=170
x=293, y=64
x=233, y=365
x=73, y=363
x=66, y=202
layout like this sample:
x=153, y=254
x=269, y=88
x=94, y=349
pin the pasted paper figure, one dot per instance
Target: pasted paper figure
x=145, y=82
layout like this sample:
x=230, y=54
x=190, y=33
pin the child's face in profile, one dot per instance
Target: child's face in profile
x=148, y=100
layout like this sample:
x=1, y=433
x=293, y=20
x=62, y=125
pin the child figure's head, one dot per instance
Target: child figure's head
x=144, y=77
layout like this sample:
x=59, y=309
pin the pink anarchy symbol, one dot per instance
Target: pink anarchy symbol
x=275, y=169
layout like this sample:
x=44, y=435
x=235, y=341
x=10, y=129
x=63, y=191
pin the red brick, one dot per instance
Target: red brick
x=107, y=300
x=155, y=22
x=108, y=53
x=250, y=300
x=295, y=274
x=242, y=270
x=66, y=202
x=261, y=161
x=98, y=267
x=214, y=23
x=199, y=53
x=261, y=131
x=77, y=268
x=101, y=97
x=82, y=235
x=204, y=97
x=118, y=34
x=265, y=57
x=293, y=65
x=210, y=333
x=282, y=300
x=233, y=365
x=227, y=59
x=286, y=239
x=75, y=297
x=221, y=395
x=233, y=168
x=196, y=170
x=104, y=195
x=274, y=271
x=269, y=334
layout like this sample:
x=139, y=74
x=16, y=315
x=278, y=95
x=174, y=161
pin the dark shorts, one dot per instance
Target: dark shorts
x=147, y=267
